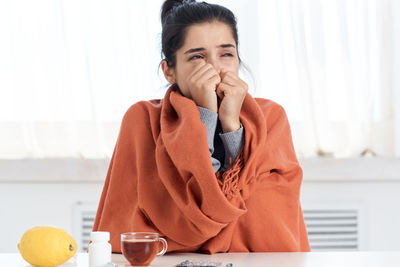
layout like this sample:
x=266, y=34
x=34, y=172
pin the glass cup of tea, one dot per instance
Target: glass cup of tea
x=140, y=248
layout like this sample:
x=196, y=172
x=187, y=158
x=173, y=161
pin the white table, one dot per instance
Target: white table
x=312, y=259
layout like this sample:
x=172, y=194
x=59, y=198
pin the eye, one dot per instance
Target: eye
x=195, y=57
x=227, y=55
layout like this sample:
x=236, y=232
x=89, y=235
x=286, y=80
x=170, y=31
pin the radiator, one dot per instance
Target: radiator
x=329, y=228
x=332, y=229
x=83, y=219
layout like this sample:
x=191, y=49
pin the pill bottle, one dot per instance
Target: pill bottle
x=99, y=249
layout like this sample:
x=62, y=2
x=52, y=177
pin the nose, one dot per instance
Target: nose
x=215, y=63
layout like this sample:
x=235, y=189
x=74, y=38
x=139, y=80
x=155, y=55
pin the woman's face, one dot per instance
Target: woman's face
x=209, y=42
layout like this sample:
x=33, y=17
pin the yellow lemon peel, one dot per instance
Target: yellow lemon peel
x=46, y=246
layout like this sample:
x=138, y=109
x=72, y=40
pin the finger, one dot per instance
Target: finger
x=220, y=93
x=234, y=80
x=199, y=65
x=228, y=74
x=229, y=81
x=200, y=71
x=209, y=74
x=231, y=78
x=213, y=82
x=231, y=74
x=223, y=89
x=215, y=78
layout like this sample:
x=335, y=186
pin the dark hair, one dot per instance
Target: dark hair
x=178, y=15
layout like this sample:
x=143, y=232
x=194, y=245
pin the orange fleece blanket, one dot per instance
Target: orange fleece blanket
x=161, y=179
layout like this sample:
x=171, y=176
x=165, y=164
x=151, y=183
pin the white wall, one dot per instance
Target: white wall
x=24, y=205
x=378, y=203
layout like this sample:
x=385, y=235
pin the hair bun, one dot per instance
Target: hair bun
x=169, y=5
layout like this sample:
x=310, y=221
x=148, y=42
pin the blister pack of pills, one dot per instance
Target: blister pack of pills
x=188, y=263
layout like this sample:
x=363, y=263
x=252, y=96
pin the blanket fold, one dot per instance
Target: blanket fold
x=161, y=179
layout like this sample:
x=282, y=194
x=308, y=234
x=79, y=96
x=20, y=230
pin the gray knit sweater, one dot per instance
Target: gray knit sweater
x=222, y=146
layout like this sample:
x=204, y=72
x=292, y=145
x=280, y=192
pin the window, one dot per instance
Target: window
x=70, y=69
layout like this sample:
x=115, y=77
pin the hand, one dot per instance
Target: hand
x=202, y=83
x=232, y=91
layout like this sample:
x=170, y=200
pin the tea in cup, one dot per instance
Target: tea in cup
x=140, y=248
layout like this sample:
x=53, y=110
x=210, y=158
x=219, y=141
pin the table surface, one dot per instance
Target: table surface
x=282, y=259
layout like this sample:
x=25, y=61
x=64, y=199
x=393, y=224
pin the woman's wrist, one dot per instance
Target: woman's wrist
x=230, y=125
x=206, y=101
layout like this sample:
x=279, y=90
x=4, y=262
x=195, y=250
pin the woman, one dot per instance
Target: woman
x=208, y=167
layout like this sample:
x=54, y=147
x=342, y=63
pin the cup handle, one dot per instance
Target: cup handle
x=165, y=246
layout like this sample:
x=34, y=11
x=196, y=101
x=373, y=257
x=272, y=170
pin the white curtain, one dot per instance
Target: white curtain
x=70, y=69
x=328, y=62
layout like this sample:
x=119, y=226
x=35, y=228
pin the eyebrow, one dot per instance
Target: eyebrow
x=192, y=50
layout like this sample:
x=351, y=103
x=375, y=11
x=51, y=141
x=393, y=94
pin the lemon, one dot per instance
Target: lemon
x=46, y=246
